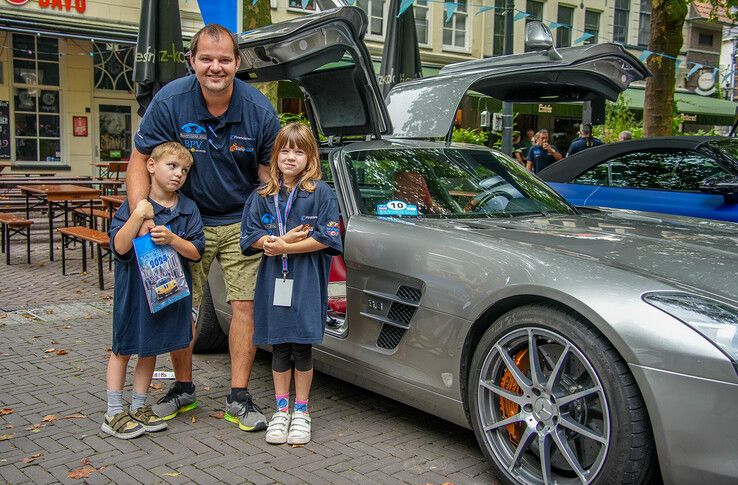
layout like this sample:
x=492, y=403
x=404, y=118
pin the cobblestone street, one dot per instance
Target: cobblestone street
x=55, y=338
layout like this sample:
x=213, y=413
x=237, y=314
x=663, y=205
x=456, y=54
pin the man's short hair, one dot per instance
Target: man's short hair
x=585, y=129
x=214, y=31
x=174, y=149
x=625, y=135
x=542, y=132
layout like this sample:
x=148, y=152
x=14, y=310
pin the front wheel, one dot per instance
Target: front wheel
x=551, y=401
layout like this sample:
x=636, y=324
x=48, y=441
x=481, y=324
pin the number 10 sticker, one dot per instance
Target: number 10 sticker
x=397, y=208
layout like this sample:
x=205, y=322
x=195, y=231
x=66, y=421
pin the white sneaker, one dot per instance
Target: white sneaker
x=299, y=429
x=276, y=433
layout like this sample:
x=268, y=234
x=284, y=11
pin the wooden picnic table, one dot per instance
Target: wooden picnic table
x=112, y=202
x=110, y=169
x=65, y=196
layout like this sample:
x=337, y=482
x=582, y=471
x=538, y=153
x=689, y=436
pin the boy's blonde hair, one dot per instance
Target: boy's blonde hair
x=171, y=148
x=296, y=135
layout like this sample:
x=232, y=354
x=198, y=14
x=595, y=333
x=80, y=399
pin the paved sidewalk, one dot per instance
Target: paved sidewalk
x=358, y=436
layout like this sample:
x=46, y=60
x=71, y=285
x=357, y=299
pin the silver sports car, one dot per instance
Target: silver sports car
x=581, y=346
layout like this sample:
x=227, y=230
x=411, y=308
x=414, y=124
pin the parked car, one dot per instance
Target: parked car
x=580, y=346
x=688, y=175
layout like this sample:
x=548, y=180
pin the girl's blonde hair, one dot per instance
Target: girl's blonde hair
x=295, y=135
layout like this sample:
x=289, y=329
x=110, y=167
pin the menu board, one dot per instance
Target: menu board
x=4, y=129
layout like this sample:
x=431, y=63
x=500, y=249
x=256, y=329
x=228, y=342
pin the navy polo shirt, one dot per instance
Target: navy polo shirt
x=304, y=321
x=582, y=144
x=136, y=331
x=226, y=148
x=540, y=157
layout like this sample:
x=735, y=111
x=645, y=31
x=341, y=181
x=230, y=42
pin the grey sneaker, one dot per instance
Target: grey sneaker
x=245, y=413
x=174, y=403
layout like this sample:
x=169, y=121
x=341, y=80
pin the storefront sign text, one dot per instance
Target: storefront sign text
x=164, y=55
x=65, y=5
x=686, y=117
x=545, y=108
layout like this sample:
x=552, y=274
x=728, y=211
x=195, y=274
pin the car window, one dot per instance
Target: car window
x=437, y=182
x=594, y=176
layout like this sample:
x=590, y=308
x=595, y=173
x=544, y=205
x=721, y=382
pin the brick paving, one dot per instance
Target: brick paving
x=358, y=436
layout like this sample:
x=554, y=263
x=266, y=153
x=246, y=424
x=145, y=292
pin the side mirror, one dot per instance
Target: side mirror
x=728, y=188
x=538, y=37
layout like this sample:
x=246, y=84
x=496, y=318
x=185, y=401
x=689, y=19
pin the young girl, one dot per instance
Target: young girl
x=293, y=218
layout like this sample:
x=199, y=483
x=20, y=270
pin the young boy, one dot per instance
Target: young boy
x=135, y=329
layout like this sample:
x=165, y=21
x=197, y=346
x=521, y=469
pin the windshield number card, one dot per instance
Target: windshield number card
x=161, y=273
x=283, y=292
x=397, y=208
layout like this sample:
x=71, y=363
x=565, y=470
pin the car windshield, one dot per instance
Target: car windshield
x=728, y=149
x=448, y=182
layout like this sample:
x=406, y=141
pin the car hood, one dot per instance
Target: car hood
x=692, y=254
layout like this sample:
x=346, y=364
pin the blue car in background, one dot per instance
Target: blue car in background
x=693, y=176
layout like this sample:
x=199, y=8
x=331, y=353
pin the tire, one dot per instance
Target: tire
x=590, y=406
x=209, y=337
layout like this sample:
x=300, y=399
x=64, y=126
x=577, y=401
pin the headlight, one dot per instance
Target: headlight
x=716, y=321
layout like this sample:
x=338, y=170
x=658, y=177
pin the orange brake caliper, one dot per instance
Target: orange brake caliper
x=509, y=408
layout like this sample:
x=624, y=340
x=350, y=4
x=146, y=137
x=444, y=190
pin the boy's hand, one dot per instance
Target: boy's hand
x=161, y=235
x=296, y=234
x=275, y=246
x=145, y=210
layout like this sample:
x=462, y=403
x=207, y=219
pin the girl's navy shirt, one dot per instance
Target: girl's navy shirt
x=304, y=321
x=135, y=329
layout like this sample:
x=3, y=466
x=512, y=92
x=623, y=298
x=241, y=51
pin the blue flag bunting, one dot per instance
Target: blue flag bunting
x=520, y=16
x=450, y=10
x=645, y=55
x=583, y=37
x=694, y=69
x=483, y=9
x=404, y=6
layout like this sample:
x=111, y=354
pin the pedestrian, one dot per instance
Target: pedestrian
x=229, y=127
x=585, y=140
x=625, y=135
x=137, y=331
x=293, y=219
x=527, y=142
x=517, y=148
x=542, y=154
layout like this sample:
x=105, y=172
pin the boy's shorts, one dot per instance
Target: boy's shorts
x=239, y=271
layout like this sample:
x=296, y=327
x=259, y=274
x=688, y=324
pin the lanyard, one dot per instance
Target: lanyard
x=282, y=224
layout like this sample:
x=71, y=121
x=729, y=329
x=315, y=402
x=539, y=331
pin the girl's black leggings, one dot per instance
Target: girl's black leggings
x=301, y=353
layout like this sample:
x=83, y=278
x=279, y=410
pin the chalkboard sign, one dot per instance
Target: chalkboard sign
x=4, y=130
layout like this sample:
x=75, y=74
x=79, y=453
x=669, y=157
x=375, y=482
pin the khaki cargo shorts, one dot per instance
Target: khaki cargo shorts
x=222, y=242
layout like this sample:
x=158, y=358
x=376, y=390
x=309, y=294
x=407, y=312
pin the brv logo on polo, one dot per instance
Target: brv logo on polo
x=193, y=136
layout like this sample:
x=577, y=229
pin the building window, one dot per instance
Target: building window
x=644, y=23
x=705, y=39
x=592, y=25
x=564, y=17
x=113, y=66
x=498, y=33
x=420, y=11
x=375, y=11
x=454, y=30
x=297, y=5
x=620, y=29
x=36, y=96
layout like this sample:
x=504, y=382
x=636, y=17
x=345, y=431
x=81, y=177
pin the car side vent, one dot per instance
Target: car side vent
x=401, y=313
x=410, y=294
x=390, y=336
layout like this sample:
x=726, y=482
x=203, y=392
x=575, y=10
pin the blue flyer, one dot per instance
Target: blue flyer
x=161, y=272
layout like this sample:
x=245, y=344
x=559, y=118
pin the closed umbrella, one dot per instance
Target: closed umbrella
x=159, y=53
x=401, y=57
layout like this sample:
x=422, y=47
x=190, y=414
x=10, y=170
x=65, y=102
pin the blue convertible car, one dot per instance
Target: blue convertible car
x=690, y=176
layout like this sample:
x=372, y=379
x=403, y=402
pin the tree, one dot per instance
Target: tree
x=259, y=14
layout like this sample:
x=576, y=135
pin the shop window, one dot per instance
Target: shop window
x=454, y=30
x=592, y=25
x=644, y=22
x=36, y=99
x=620, y=21
x=113, y=66
x=565, y=16
x=421, y=13
x=375, y=11
x=498, y=32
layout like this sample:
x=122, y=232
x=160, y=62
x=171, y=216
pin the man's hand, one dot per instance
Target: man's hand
x=275, y=246
x=161, y=235
x=296, y=234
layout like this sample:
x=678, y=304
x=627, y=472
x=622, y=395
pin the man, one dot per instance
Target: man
x=625, y=135
x=542, y=154
x=229, y=128
x=517, y=148
x=585, y=140
x=527, y=142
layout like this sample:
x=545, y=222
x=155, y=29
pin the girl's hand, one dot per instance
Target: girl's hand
x=161, y=235
x=275, y=246
x=296, y=234
x=144, y=209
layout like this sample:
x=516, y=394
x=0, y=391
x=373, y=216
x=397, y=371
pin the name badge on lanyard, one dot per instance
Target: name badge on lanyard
x=283, y=285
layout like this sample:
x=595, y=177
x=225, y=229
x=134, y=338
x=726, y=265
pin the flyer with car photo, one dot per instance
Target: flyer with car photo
x=161, y=272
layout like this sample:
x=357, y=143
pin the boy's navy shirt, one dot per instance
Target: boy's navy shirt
x=135, y=329
x=304, y=321
x=227, y=149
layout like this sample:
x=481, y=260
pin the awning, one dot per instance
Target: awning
x=69, y=28
x=708, y=110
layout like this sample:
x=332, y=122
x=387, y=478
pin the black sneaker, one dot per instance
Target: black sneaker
x=245, y=413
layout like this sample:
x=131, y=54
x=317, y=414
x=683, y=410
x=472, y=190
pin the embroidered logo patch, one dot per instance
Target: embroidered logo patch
x=267, y=218
x=193, y=136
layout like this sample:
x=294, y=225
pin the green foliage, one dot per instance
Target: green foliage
x=618, y=117
x=468, y=135
x=286, y=118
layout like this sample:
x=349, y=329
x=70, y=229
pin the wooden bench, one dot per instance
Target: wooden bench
x=82, y=215
x=11, y=225
x=84, y=235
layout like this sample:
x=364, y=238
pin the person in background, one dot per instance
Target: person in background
x=518, y=148
x=625, y=135
x=527, y=142
x=585, y=140
x=542, y=154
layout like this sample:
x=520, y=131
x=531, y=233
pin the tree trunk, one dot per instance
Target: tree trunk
x=667, y=21
x=256, y=15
